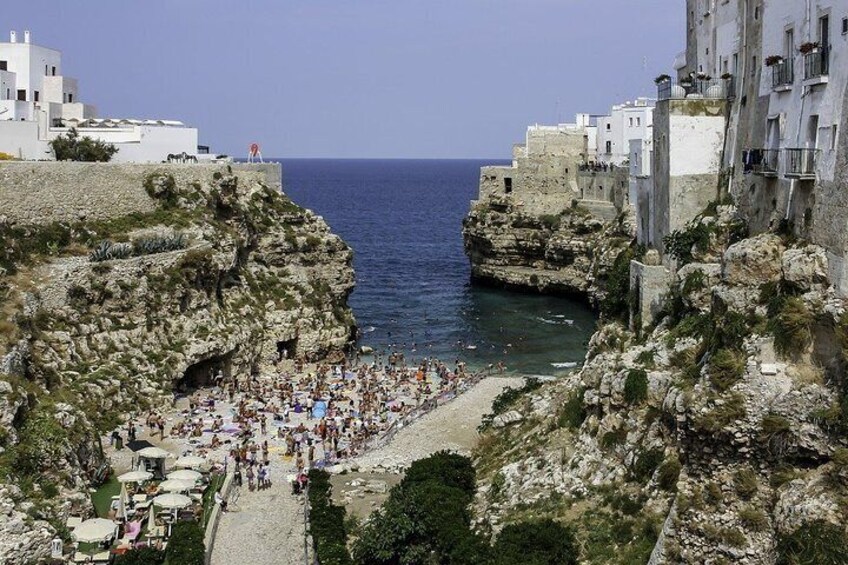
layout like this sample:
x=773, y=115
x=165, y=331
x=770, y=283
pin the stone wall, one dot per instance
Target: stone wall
x=651, y=284
x=45, y=192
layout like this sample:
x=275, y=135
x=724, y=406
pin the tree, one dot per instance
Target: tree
x=72, y=147
x=542, y=542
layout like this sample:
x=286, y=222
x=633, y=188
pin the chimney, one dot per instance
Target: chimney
x=13, y=37
x=26, y=36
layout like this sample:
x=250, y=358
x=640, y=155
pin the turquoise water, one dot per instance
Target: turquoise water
x=403, y=219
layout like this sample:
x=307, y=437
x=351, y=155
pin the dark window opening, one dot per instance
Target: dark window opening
x=844, y=31
x=22, y=95
x=4, y=65
x=35, y=95
x=70, y=98
x=507, y=185
x=609, y=146
x=54, y=71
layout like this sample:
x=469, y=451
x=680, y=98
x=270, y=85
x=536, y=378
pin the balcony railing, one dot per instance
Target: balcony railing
x=801, y=163
x=782, y=74
x=816, y=64
x=716, y=89
x=763, y=162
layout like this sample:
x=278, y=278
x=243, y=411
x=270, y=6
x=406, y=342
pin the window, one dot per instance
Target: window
x=70, y=98
x=507, y=185
x=22, y=95
x=833, y=136
x=754, y=68
x=609, y=146
x=813, y=132
x=631, y=122
x=4, y=65
x=638, y=121
x=35, y=95
x=756, y=12
x=844, y=26
x=789, y=44
x=609, y=126
x=54, y=71
x=824, y=32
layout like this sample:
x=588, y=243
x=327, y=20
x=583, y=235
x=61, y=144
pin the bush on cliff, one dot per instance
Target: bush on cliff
x=185, y=546
x=326, y=521
x=636, y=386
x=72, y=147
x=616, y=302
x=542, y=542
x=725, y=369
x=814, y=543
x=141, y=556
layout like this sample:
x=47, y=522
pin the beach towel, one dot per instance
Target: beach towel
x=319, y=410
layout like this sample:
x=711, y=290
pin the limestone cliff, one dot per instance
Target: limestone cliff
x=567, y=253
x=106, y=317
x=716, y=436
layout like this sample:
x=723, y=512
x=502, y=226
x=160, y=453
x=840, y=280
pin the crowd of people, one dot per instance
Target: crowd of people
x=312, y=415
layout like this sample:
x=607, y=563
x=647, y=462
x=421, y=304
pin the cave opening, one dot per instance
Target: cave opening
x=204, y=373
x=286, y=349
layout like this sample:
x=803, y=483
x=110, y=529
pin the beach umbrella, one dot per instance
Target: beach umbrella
x=135, y=477
x=185, y=475
x=95, y=529
x=151, y=519
x=125, y=496
x=153, y=453
x=189, y=461
x=172, y=501
x=176, y=485
x=121, y=512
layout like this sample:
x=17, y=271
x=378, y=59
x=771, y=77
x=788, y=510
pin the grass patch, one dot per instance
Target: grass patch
x=102, y=497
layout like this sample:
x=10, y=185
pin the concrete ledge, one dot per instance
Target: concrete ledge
x=214, y=518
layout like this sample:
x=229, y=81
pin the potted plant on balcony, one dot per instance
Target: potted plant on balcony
x=809, y=47
x=662, y=78
x=726, y=76
x=773, y=60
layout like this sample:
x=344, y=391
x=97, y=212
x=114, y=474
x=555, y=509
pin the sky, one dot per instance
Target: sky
x=358, y=78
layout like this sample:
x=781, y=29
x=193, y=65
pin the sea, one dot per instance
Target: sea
x=403, y=219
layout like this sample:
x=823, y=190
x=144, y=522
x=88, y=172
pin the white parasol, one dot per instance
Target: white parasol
x=185, y=475
x=153, y=453
x=172, y=500
x=95, y=529
x=135, y=477
x=189, y=462
x=176, y=485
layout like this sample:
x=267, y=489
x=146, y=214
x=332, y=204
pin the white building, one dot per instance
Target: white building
x=38, y=104
x=631, y=121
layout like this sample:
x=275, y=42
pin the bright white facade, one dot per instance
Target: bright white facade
x=631, y=121
x=38, y=104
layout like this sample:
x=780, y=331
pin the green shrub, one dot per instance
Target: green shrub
x=541, y=542
x=753, y=519
x=725, y=368
x=185, y=546
x=141, y=556
x=449, y=469
x=616, y=304
x=636, y=386
x=791, y=327
x=715, y=420
x=647, y=358
x=668, y=474
x=646, y=463
x=680, y=243
x=745, y=482
x=573, y=412
x=507, y=398
x=614, y=437
x=72, y=147
x=326, y=521
x=814, y=543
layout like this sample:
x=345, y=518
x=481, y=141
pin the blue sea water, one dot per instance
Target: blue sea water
x=403, y=219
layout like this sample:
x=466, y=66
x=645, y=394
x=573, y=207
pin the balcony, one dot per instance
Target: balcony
x=801, y=164
x=715, y=89
x=763, y=162
x=816, y=67
x=783, y=75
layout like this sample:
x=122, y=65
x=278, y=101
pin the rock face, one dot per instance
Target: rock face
x=715, y=438
x=223, y=275
x=570, y=253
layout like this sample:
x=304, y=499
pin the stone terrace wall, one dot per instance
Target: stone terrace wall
x=44, y=192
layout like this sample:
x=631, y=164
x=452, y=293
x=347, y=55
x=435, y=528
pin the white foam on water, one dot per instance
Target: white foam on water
x=565, y=365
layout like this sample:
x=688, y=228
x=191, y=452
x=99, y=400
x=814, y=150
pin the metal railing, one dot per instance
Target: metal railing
x=783, y=74
x=816, y=64
x=801, y=163
x=762, y=161
x=716, y=89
